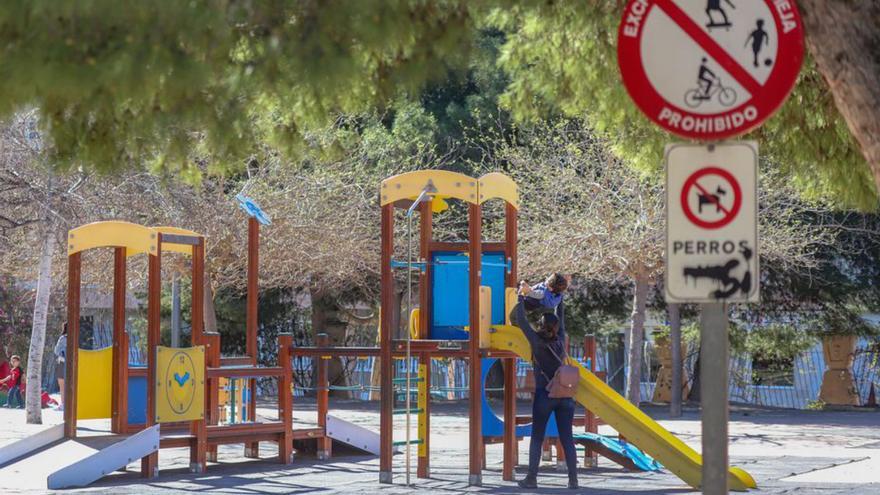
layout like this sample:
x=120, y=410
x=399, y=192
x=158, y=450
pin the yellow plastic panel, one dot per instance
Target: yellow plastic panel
x=94, y=383
x=423, y=406
x=414, y=323
x=176, y=248
x=510, y=300
x=411, y=184
x=180, y=384
x=136, y=238
x=497, y=185
x=485, y=315
x=638, y=428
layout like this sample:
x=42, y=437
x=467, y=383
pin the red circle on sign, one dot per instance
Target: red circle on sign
x=691, y=182
x=765, y=98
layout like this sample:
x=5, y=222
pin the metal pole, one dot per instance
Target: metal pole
x=409, y=267
x=408, y=333
x=713, y=397
x=675, y=341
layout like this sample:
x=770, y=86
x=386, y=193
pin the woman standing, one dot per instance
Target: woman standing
x=548, y=351
x=61, y=362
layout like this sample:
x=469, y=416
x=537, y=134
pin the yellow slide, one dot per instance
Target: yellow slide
x=636, y=426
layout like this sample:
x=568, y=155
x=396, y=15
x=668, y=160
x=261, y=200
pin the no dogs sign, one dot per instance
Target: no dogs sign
x=710, y=69
x=711, y=226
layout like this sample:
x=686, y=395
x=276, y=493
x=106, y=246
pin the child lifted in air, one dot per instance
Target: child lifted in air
x=545, y=296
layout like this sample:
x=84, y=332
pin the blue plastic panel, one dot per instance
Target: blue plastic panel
x=450, y=290
x=137, y=400
x=492, y=425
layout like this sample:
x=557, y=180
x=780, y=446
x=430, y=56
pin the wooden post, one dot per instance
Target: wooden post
x=119, y=419
x=199, y=448
x=591, y=424
x=475, y=251
x=386, y=366
x=212, y=360
x=325, y=443
x=252, y=449
x=511, y=454
x=74, y=270
x=285, y=400
x=426, y=221
x=150, y=463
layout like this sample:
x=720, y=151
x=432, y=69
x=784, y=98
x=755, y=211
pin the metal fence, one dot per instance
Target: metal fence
x=793, y=386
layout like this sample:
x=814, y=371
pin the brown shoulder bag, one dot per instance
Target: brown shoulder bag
x=563, y=385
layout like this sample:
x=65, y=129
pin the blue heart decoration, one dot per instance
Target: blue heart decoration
x=181, y=379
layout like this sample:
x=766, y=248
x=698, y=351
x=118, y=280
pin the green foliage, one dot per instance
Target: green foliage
x=209, y=84
x=561, y=58
x=176, y=84
x=594, y=308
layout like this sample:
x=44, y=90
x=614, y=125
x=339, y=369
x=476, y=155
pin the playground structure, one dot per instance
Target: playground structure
x=466, y=290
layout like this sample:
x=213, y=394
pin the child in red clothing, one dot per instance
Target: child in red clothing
x=13, y=381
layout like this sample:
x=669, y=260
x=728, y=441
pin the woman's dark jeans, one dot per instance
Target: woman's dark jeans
x=542, y=407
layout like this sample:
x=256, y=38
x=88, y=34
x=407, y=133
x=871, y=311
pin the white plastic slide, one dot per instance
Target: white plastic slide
x=352, y=434
x=29, y=444
x=107, y=460
x=44, y=461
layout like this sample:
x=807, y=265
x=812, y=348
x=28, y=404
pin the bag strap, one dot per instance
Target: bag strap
x=564, y=353
x=561, y=362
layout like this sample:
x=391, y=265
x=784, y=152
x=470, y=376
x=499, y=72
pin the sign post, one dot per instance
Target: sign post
x=710, y=71
x=712, y=258
x=713, y=396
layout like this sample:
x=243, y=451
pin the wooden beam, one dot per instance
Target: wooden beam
x=74, y=270
x=186, y=240
x=212, y=360
x=463, y=246
x=119, y=418
x=426, y=227
x=325, y=444
x=591, y=423
x=199, y=449
x=511, y=454
x=475, y=227
x=150, y=463
x=386, y=333
x=285, y=398
x=252, y=449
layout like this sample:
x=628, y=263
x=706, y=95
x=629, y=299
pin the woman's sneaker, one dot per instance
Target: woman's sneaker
x=528, y=482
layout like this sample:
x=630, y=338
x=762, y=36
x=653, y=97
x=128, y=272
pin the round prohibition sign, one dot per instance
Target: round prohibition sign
x=709, y=70
x=692, y=183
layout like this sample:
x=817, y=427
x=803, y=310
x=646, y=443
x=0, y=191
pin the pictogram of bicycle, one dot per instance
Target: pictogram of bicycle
x=696, y=96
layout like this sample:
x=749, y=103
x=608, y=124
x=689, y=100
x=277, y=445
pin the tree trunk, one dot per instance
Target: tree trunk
x=208, y=305
x=694, y=395
x=675, y=340
x=325, y=319
x=635, y=341
x=844, y=39
x=175, y=311
x=33, y=400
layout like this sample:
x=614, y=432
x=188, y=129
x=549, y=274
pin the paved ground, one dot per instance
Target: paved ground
x=788, y=452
